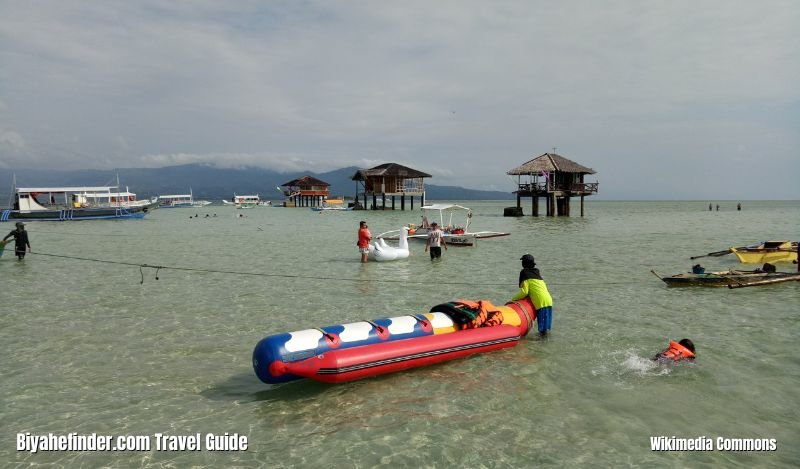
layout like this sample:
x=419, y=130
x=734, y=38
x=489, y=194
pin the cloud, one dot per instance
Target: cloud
x=11, y=139
x=461, y=90
x=280, y=163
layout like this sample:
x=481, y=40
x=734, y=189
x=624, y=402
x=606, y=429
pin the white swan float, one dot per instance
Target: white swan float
x=380, y=251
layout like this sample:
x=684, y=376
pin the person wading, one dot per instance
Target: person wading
x=435, y=242
x=532, y=285
x=20, y=240
x=364, y=237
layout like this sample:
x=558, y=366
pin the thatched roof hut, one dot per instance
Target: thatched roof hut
x=390, y=179
x=306, y=191
x=305, y=181
x=555, y=178
x=547, y=163
x=389, y=170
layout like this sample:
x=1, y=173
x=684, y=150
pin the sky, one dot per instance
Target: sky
x=664, y=100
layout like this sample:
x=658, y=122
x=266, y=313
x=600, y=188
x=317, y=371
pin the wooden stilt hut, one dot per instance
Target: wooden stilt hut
x=306, y=191
x=389, y=180
x=555, y=178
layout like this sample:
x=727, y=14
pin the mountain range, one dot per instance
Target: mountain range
x=212, y=183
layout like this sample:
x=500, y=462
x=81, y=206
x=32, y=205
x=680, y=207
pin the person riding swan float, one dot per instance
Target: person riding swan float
x=380, y=251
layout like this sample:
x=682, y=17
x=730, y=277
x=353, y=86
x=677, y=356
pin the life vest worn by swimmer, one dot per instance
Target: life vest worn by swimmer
x=676, y=352
x=471, y=314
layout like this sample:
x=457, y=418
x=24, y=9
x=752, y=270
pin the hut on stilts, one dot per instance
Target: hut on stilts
x=555, y=178
x=306, y=191
x=389, y=180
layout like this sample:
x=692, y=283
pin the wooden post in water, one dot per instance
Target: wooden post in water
x=403, y=202
x=581, y=205
x=392, y=202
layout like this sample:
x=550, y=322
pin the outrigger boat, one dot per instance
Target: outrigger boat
x=181, y=201
x=759, y=253
x=332, y=204
x=247, y=201
x=347, y=352
x=728, y=278
x=769, y=251
x=75, y=203
x=456, y=229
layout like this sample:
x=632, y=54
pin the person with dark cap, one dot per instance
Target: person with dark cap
x=20, y=240
x=532, y=285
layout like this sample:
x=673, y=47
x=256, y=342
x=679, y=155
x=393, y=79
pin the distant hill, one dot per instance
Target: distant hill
x=212, y=183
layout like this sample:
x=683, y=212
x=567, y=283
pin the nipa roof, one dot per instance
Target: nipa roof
x=550, y=162
x=389, y=170
x=305, y=181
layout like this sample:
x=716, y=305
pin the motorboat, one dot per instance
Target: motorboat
x=332, y=205
x=181, y=201
x=75, y=203
x=733, y=277
x=454, y=221
x=247, y=201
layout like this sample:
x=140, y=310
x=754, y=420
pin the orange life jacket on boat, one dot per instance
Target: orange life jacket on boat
x=676, y=352
x=481, y=313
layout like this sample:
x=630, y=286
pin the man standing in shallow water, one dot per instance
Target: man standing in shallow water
x=20, y=240
x=532, y=285
x=435, y=241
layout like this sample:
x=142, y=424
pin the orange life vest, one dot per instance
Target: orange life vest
x=676, y=352
x=487, y=314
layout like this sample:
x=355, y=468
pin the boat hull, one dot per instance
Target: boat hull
x=348, y=352
x=75, y=214
x=722, y=279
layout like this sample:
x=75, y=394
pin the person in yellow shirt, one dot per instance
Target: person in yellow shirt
x=532, y=285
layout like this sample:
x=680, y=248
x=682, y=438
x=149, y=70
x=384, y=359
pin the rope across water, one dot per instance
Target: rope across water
x=142, y=266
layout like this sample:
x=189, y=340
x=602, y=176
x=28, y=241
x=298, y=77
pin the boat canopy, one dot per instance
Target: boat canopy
x=443, y=207
x=65, y=189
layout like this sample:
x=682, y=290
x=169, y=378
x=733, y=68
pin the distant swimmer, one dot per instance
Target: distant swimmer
x=677, y=351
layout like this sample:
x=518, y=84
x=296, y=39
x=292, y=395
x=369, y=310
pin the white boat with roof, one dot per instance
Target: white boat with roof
x=75, y=203
x=181, y=201
x=454, y=220
x=247, y=201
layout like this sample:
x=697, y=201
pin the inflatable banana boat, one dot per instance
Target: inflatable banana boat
x=347, y=352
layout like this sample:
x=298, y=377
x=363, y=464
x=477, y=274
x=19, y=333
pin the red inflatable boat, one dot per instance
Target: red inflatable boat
x=347, y=352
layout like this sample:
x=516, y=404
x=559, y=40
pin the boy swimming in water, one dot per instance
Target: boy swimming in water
x=677, y=351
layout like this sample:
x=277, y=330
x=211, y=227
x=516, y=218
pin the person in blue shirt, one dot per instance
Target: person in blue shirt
x=532, y=285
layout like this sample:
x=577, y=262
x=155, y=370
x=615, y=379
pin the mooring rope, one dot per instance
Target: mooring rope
x=295, y=276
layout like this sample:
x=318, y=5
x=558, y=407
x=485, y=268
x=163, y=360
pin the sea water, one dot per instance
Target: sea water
x=94, y=343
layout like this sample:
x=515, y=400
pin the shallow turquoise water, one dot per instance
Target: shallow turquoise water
x=95, y=347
